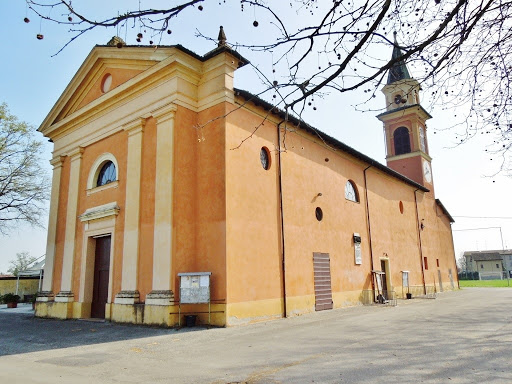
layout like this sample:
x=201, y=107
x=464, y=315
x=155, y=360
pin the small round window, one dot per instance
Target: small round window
x=106, y=83
x=107, y=174
x=265, y=158
x=319, y=214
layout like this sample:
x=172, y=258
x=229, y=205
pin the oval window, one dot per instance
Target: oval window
x=106, y=83
x=401, y=207
x=107, y=174
x=319, y=214
x=265, y=158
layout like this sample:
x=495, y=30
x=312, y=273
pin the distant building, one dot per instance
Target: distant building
x=489, y=264
x=148, y=187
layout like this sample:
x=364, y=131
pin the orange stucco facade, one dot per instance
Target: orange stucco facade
x=190, y=194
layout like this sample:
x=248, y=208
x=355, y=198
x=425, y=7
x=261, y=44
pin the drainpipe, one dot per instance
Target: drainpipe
x=281, y=214
x=419, y=240
x=369, y=225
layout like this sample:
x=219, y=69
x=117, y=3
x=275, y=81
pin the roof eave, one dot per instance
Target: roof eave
x=328, y=139
x=403, y=109
x=445, y=211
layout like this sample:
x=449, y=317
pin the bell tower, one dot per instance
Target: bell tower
x=405, y=129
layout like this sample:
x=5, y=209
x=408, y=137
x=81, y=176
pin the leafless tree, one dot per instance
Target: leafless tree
x=24, y=185
x=459, y=50
x=462, y=262
x=21, y=263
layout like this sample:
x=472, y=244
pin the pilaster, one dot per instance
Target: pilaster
x=163, y=233
x=129, y=293
x=66, y=294
x=47, y=289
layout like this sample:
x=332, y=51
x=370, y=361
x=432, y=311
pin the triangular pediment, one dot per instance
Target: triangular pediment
x=111, y=77
x=119, y=65
x=106, y=76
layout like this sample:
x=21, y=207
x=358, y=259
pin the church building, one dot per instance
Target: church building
x=162, y=185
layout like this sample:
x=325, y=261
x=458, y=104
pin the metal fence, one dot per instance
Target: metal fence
x=473, y=275
x=468, y=275
x=420, y=292
x=372, y=297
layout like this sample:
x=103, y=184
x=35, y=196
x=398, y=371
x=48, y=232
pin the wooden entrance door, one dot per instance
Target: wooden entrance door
x=322, y=277
x=101, y=275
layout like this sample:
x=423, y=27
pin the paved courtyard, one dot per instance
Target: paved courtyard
x=461, y=337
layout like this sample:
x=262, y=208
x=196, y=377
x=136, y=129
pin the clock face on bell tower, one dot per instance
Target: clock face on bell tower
x=405, y=126
x=427, y=172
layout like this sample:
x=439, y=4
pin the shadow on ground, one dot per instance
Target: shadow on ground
x=21, y=332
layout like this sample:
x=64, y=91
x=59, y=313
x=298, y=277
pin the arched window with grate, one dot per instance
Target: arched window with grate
x=351, y=192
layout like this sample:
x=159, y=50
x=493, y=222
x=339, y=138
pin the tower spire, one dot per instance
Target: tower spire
x=222, y=37
x=399, y=70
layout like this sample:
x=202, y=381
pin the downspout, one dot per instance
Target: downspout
x=368, y=225
x=419, y=240
x=281, y=214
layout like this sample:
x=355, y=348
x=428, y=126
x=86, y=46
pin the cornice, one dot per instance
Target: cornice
x=76, y=153
x=423, y=155
x=99, y=212
x=404, y=111
x=164, y=113
x=135, y=126
x=57, y=161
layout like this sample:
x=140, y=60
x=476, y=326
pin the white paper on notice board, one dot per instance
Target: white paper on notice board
x=204, y=281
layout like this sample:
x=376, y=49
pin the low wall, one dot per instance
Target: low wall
x=27, y=285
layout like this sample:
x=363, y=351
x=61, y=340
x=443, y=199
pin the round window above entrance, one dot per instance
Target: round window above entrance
x=106, y=83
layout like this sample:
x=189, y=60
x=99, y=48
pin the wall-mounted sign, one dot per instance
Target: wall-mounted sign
x=357, y=253
x=405, y=279
x=357, y=249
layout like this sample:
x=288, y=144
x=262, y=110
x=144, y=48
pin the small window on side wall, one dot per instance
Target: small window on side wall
x=107, y=174
x=319, y=213
x=351, y=192
x=265, y=158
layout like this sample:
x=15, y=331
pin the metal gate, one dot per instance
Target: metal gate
x=322, y=278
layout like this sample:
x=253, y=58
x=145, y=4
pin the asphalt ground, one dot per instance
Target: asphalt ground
x=460, y=337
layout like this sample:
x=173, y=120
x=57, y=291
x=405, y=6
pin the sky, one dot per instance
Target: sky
x=32, y=79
